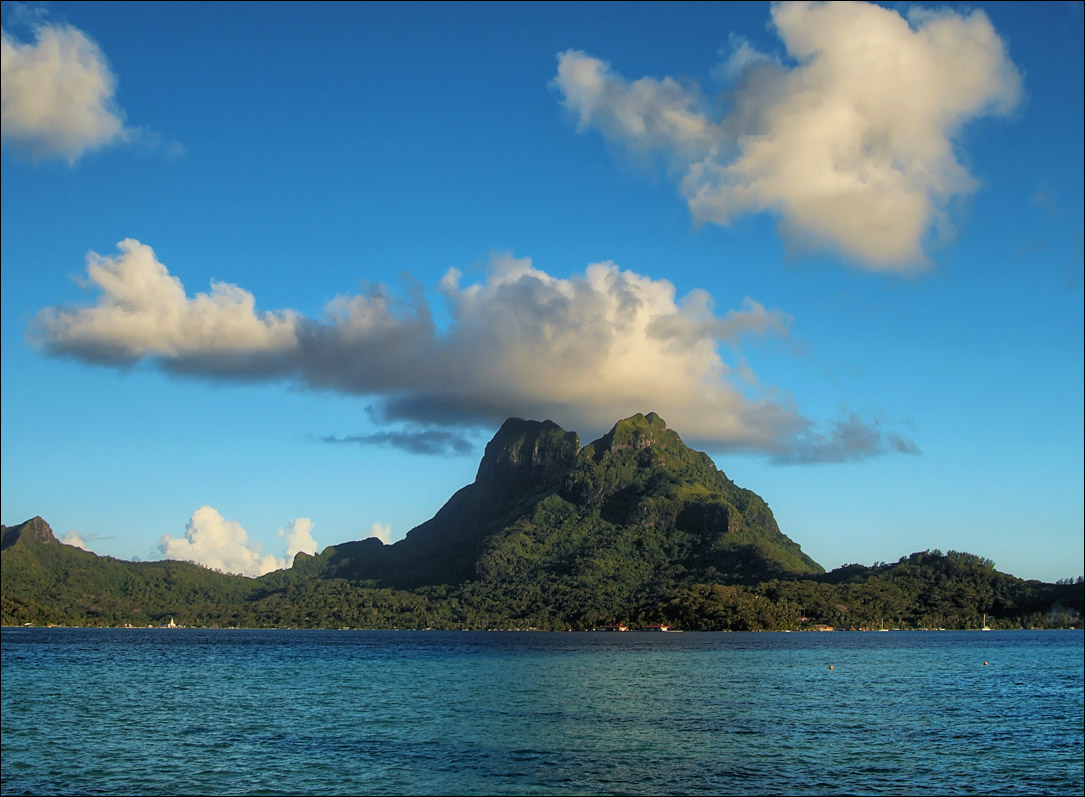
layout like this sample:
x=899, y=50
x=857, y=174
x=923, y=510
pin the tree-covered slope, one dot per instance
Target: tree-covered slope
x=44, y=580
x=633, y=527
x=928, y=589
x=522, y=463
x=630, y=514
x=637, y=516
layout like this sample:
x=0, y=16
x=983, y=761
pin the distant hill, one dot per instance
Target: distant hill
x=45, y=581
x=633, y=527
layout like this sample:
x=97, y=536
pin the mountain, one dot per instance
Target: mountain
x=637, y=505
x=633, y=527
x=33, y=530
x=522, y=463
x=45, y=580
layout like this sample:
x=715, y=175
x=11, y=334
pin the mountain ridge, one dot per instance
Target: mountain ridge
x=638, y=480
x=635, y=525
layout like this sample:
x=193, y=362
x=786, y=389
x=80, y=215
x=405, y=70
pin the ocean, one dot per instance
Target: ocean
x=186, y=711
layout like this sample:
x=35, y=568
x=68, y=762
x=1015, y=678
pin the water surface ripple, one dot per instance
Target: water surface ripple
x=178, y=711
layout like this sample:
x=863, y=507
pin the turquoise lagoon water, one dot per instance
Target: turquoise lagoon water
x=101, y=711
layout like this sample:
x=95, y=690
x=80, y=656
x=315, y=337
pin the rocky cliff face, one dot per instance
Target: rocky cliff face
x=33, y=530
x=524, y=453
x=637, y=501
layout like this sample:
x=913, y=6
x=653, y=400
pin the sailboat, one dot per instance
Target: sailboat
x=985, y=628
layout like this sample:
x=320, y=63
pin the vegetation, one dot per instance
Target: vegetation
x=633, y=528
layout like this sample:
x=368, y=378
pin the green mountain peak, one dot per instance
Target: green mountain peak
x=636, y=432
x=33, y=530
x=636, y=499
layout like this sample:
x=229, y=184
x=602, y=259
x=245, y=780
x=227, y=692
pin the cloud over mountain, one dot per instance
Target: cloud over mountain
x=583, y=349
x=74, y=538
x=382, y=532
x=298, y=535
x=220, y=544
x=850, y=141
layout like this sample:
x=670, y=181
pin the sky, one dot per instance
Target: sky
x=273, y=274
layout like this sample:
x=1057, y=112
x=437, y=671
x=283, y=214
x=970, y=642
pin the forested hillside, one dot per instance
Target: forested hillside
x=633, y=528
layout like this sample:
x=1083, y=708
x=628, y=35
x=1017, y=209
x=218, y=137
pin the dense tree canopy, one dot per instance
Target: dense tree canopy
x=634, y=528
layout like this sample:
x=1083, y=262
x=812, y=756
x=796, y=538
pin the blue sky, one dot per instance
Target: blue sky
x=274, y=274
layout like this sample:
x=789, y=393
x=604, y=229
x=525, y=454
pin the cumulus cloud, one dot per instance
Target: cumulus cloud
x=382, y=532
x=584, y=350
x=143, y=311
x=738, y=56
x=299, y=538
x=74, y=539
x=851, y=145
x=441, y=442
x=58, y=94
x=214, y=542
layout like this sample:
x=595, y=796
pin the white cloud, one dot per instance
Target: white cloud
x=740, y=55
x=382, y=531
x=583, y=350
x=852, y=146
x=73, y=538
x=142, y=310
x=299, y=538
x=598, y=346
x=214, y=542
x=645, y=113
x=58, y=94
